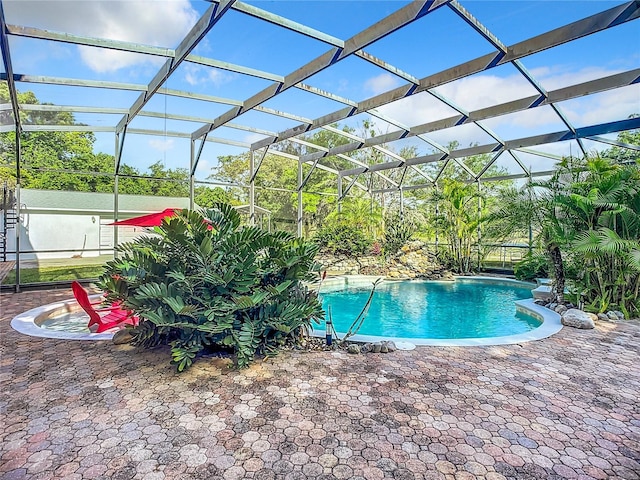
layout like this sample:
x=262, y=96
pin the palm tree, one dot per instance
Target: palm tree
x=533, y=208
x=602, y=206
x=587, y=213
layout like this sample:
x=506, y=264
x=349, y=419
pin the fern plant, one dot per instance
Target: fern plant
x=206, y=280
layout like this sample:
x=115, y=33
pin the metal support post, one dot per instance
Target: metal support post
x=17, y=266
x=479, y=225
x=192, y=176
x=530, y=227
x=437, y=213
x=299, y=199
x=115, y=196
x=252, y=189
x=401, y=202
x=339, y=193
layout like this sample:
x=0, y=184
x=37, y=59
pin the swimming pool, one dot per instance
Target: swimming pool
x=471, y=310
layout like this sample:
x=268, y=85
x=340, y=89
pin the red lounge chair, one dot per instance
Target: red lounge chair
x=116, y=317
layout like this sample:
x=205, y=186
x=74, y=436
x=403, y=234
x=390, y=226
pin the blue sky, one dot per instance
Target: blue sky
x=438, y=41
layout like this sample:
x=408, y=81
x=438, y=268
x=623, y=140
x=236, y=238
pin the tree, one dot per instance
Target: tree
x=587, y=216
x=601, y=206
x=622, y=154
x=55, y=160
x=45, y=152
x=206, y=197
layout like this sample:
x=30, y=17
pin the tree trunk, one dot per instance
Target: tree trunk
x=558, y=270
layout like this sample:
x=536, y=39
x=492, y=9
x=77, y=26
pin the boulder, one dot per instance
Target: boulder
x=376, y=347
x=619, y=314
x=560, y=309
x=577, y=319
x=353, y=349
x=603, y=317
x=612, y=316
x=122, y=337
x=391, y=347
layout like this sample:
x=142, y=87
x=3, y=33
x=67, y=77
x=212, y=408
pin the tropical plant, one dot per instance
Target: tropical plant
x=534, y=265
x=457, y=220
x=399, y=228
x=532, y=208
x=342, y=238
x=587, y=218
x=601, y=204
x=206, y=280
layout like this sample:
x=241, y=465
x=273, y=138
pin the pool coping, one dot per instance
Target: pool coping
x=25, y=323
x=551, y=323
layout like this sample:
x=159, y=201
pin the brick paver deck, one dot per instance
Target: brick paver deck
x=564, y=407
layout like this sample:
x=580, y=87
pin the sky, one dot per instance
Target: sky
x=437, y=41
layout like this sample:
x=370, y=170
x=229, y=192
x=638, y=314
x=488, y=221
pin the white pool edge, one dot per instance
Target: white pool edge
x=25, y=323
x=551, y=323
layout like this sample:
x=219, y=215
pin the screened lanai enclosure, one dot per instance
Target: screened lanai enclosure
x=290, y=110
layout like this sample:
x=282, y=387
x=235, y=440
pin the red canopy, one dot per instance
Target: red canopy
x=150, y=220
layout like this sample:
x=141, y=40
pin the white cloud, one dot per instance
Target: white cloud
x=381, y=83
x=203, y=169
x=159, y=23
x=197, y=75
x=253, y=137
x=604, y=107
x=417, y=109
x=560, y=76
x=479, y=91
x=162, y=145
x=483, y=90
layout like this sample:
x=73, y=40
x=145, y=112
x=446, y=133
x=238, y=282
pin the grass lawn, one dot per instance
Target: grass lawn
x=55, y=274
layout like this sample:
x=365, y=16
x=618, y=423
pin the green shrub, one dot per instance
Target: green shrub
x=531, y=267
x=206, y=281
x=343, y=238
x=398, y=230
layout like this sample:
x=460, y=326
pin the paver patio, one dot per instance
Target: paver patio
x=563, y=407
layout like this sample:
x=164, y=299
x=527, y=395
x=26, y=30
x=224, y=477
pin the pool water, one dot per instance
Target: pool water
x=423, y=309
x=68, y=322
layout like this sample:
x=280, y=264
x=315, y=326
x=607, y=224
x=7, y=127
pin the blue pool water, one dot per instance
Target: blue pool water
x=422, y=309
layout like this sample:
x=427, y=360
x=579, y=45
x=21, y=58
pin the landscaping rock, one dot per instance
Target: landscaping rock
x=612, y=316
x=376, y=347
x=619, y=314
x=391, y=347
x=384, y=348
x=560, y=309
x=122, y=337
x=577, y=319
x=353, y=349
x=414, y=260
x=603, y=317
x=366, y=348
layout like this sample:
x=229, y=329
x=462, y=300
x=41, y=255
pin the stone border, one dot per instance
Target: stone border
x=550, y=320
x=26, y=323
